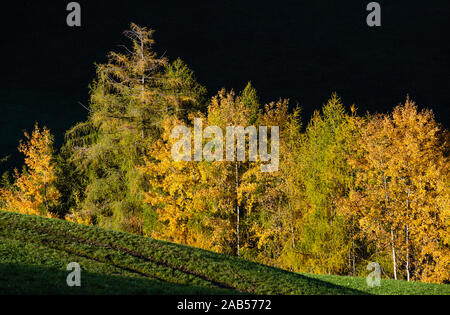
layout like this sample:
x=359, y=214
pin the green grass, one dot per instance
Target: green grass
x=387, y=286
x=35, y=251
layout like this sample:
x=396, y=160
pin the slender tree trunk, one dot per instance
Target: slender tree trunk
x=143, y=85
x=45, y=192
x=293, y=236
x=292, y=224
x=376, y=249
x=393, y=254
x=237, y=208
x=291, y=213
x=394, y=260
x=408, y=276
x=353, y=257
x=349, y=261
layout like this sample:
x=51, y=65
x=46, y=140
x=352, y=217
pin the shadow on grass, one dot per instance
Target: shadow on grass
x=298, y=283
x=29, y=279
x=258, y=278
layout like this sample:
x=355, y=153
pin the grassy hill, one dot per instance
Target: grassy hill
x=35, y=251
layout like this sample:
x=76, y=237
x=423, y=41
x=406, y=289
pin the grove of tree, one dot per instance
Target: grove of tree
x=349, y=189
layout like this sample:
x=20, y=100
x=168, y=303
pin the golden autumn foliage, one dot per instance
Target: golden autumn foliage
x=208, y=204
x=172, y=191
x=33, y=191
x=401, y=192
x=348, y=190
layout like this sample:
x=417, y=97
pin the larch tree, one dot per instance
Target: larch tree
x=325, y=232
x=270, y=207
x=34, y=191
x=418, y=168
x=134, y=92
x=177, y=192
x=400, y=171
x=229, y=111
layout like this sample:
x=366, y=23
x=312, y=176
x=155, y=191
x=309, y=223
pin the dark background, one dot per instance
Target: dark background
x=301, y=50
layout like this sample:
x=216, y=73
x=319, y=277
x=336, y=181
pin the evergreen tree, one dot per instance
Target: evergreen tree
x=325, y=240
x=131, y=96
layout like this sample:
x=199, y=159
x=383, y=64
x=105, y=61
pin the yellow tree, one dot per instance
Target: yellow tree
x=229, y=111
x=418, y=170
x=180, y=192
x=399, y=196
x=206, y=200
x=33, y=191
x=272, y=204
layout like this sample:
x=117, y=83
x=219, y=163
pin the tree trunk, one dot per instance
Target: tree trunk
x=237, y=208
x=407, y=254
x=353, y=257
x=394, y=262
x=393, y=254
x=45, y=192
x=408, y=276
x=292, y=224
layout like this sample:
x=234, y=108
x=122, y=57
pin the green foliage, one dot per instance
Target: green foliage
x=132, y=94
x=325, y=242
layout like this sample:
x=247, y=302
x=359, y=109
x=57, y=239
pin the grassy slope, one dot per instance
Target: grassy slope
x=34, y=253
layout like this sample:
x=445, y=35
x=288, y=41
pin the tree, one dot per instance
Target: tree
x=326, y=233
x=227, y=110
x=400, y=190
x=34, y=191
x=211, y=202
x=134, y=92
